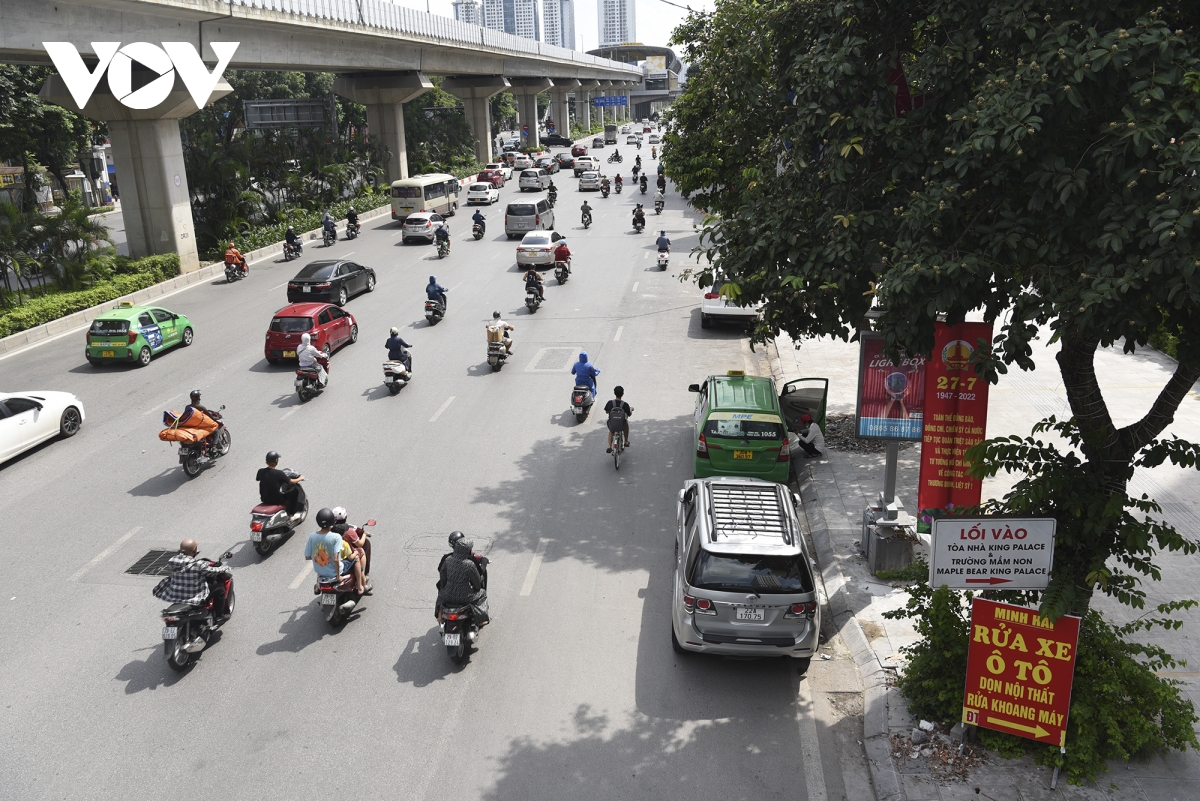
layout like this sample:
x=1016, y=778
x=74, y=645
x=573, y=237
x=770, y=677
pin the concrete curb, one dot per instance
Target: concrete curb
x=30, y=337
x=885, y=780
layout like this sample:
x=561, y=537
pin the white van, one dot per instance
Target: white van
x=436, y=192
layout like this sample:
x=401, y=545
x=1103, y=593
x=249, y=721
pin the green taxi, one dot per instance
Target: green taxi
x=739, y=428
x=131, y=333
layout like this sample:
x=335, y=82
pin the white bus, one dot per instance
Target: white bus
x=436, y=192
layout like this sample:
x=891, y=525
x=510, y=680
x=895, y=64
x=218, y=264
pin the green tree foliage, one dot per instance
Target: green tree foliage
x=441, y=142
x=504, y=112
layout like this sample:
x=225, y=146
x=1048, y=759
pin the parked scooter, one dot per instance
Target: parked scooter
x=338, y=596
x=562, y=270
x=395, y=376
x=270, y=524
x=195, y=455
x=308, y=380
x=581, y=402
x=434, y=311
x=291, y=251
x=187, y=628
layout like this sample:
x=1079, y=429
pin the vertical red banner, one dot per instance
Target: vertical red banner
x=956, y=402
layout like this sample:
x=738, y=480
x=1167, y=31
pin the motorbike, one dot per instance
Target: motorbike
x=615, y=156
x=329, y=235
x=663, y=259
x=562, y=269
x=477, y=231
x=291, y=251
x=603, y=191
x=552, y=197
x=581, y=402
x=658, y=207
x=497, y=354
x=308, y=380
x=235, y=270
x=395, y=376
x=352, y=230
x=338, y=596
x=195, y=455
x=443, y=248
x=642, y=184
x=459, y=631
x=639, y=224
x=270, y=524
x=619, y=187
x=434, y=311
x=189, y=627
x=587, y=221
x=532, y=299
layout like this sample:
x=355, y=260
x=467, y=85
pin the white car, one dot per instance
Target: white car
x=589, y=180
x=421, y=225
x=30, y=418
x=482, y=194
x=535, y=179
x=654, y=139
x=537, y=248
x=522, y=162
x=625, y=129
x=504, y=169
x=631, y=140
x=715, y=308
x=584, y=164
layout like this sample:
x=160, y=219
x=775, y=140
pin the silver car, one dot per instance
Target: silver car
x=421, y=225
x=534, y=179
x=743, y=582
x=589, y=180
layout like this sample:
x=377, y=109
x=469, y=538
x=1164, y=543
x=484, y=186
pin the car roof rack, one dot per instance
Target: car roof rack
x=749, y=511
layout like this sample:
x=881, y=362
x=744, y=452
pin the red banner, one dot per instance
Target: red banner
x=1020, y=668
x=956, y=402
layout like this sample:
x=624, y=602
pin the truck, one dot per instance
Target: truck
x=610, y=134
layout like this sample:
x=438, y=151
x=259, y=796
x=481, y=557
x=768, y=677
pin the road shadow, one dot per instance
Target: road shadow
x=164, y=483
x=424, y=661
x=377, y=392
x=287, y=401
x=150, y=673
x=120, y=367
x=716, y=329
x=304, y=626
x=264, y=366
x=483, y=368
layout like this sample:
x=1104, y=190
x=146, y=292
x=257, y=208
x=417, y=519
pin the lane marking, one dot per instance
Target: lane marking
x=289, y=414
x=159, y=405
x=300, y=578
x=456, y=286
x=272, y=289
x=534, y=566
x=810, y=748
x=100, y=557
x=646, y=255
x=347, y=255
x=635, y=285
x=441, y=409
x=617, y=338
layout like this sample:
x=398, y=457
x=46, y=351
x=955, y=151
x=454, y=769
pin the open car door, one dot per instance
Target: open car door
x=805, y=396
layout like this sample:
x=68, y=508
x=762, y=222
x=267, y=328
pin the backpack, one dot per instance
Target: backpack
x=617, y=413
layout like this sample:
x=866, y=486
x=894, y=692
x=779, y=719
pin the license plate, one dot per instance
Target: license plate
x=328, y=599
x=750, y=613
x=256, y=536
x=452, y=639
x=299, y=382
x=170, y=632
x=108, y=354
x=743, y=454
x=387, y=379
x=289, y=354
x=307, y=288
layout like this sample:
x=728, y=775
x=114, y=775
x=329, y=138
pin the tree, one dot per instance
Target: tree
x=504, y=110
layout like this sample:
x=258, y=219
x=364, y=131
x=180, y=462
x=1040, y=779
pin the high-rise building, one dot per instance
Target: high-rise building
x=617, y=21
x=559, y=19
x=518, y=17
x=467, y=11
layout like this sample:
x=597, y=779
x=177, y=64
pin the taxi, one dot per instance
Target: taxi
x=136, y=334
x=739, y=428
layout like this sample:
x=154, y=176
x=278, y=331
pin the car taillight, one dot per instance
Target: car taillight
x=711, y=295
x=88, y=337
x=256, y=526
x=506, y=219
x=784, y=455
x=807, y=610
x=325, y=285
x=292, y=285
x=133, y=335
x=268, y=336
x=689, y=603
x=702, y=447
x=705, y=607
x=537, y=219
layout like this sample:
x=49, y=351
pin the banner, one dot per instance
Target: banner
x=1020, y=668
x=956, y=402
x=891, y=398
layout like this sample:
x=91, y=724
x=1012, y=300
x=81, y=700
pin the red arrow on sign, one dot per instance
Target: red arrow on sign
x=992, y=580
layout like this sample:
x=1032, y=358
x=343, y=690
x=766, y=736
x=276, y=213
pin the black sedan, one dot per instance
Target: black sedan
x=332, y=281
x=565, y=161
x=548, y=164
x=555, y=140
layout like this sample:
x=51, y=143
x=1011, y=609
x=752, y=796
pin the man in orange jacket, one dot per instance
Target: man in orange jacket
x=234, y=256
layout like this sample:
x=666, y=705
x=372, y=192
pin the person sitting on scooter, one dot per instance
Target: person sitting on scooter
x=587, y=212
x=328, y=224
x=193, y=579
x=324, y=548
x=643, y=183
x=194, y=403
x=639, y=216
x=618, y=412
x=585, y=373
x=636, y=170
x=664, y=244
x=462, y=583
x=442, y=234
x=396, y=350
x=275, y=488
x=505, y=327
x=309, y=357
x=234, y=256
x=354, y=539
x=435, y=291
x=481, y=563
x=534, y=280
x=637, y=162
x=351, y=218
x=662, y=183
x=660, y=199
x=479, y=220
x=562, y=252
x=619, y=183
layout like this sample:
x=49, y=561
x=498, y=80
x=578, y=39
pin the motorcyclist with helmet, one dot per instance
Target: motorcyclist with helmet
x=481, y=563
x=442, y=235
x=461, y=582
x=586, y=215
x=396, y=349
x=480, y=220
x=664, y=244
x=293, y=239
x=195, y=404
x=618, y=182
x=309, y=357
x=235, y=257
x=324, y=549
x=534, y=281
x=562, y=252
x=352, y=219
x=505, y=328
x=639, y=216
x=356, y=544
x=276, y=488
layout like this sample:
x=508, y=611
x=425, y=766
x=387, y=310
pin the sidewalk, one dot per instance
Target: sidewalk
x=836, y=489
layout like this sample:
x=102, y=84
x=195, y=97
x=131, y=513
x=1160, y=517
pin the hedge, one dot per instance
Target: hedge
x=132, y=276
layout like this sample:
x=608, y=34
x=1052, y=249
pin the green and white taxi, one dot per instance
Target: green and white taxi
x=131, y=333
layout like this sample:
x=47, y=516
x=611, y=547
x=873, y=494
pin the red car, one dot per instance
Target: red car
x=327, y=325
x=579, y=150
x=493, y=177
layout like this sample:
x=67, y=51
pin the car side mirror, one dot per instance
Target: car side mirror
x=693, y=387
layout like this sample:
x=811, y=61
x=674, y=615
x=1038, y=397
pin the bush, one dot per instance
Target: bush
x=935, y=676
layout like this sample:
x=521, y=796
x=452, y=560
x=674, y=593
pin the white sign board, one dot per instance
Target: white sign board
x=992, y=553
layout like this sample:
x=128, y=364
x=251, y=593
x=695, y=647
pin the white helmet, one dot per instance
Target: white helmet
x=339, y=514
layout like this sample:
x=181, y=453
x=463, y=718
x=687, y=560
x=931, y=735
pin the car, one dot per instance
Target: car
x=521, y=161
x=328, y=327
x=653, y=139
x=739, y=429
x=136, y=334
x=534, y=179
x=420, y=226
x=716, y=307
x=30, y=418
x=500, y=167
x=631, y=139
x=537, y=249
x=743, y=581
x=524, y=216
x=331, y=280
x=598, y=142
x=555, y=140
x=589, y=180
x=482, y=194
x=646, y=129
x=625, y=129
x=494, y=177
x=547, y=163
x=584, y=164
x=565, y=161
x=579, y=150
x=510, y=146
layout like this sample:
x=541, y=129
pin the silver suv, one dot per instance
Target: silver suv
x=743, y=585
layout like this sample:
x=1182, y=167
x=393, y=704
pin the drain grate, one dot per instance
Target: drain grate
x=154, y=563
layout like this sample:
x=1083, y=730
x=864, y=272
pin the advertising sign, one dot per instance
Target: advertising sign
x=1008, y=553
x=610, y=100
x=655, y=65
x=1019, y=671
x=171, y=58
x=891, y=397
x=956, y=402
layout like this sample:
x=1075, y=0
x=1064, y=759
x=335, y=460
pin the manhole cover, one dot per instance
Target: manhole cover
x=552, y=360
x=154, y=563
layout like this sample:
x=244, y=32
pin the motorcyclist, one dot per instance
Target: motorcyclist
x=481, y=563
x=664, y=244
x=479, y=220
x=442, y=234
x=643, y=183
x=356, y=548
x=619, y=183
x=562, y=252
x=636, y=170
x=327, y=223
x=292, y=238
x=534, y=280
x=618, y=412
x=604, y=183
x=505, y=327
x=396, y=349
x=662, y=183
x=193, y=579
x=660, y=199
x=637, y=162
x=351, y=218
x=461, y=583
x=275, y=488
x=662, y=168
x=639, y=216
x=435, y=291
x=234, y=256
x=309, y=357
x=654, y=151
x=585, y=374
x=552, y=190
x=194, y=403
x=586, y=212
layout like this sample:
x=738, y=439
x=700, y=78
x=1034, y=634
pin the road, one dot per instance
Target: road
x=574, y=691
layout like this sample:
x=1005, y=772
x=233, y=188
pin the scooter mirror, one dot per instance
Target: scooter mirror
x=370, y=522
x=227, y=555
x=222, y=407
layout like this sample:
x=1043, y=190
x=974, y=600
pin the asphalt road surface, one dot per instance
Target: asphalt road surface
x=574, y=691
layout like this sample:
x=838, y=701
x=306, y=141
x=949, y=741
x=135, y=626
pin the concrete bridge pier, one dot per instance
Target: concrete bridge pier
x=560, y=105
x=384, y=94
x=583, y=103
x=526, y=91
x=148, y=154
x=476, y=92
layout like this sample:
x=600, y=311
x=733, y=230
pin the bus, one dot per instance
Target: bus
x=436, y=192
